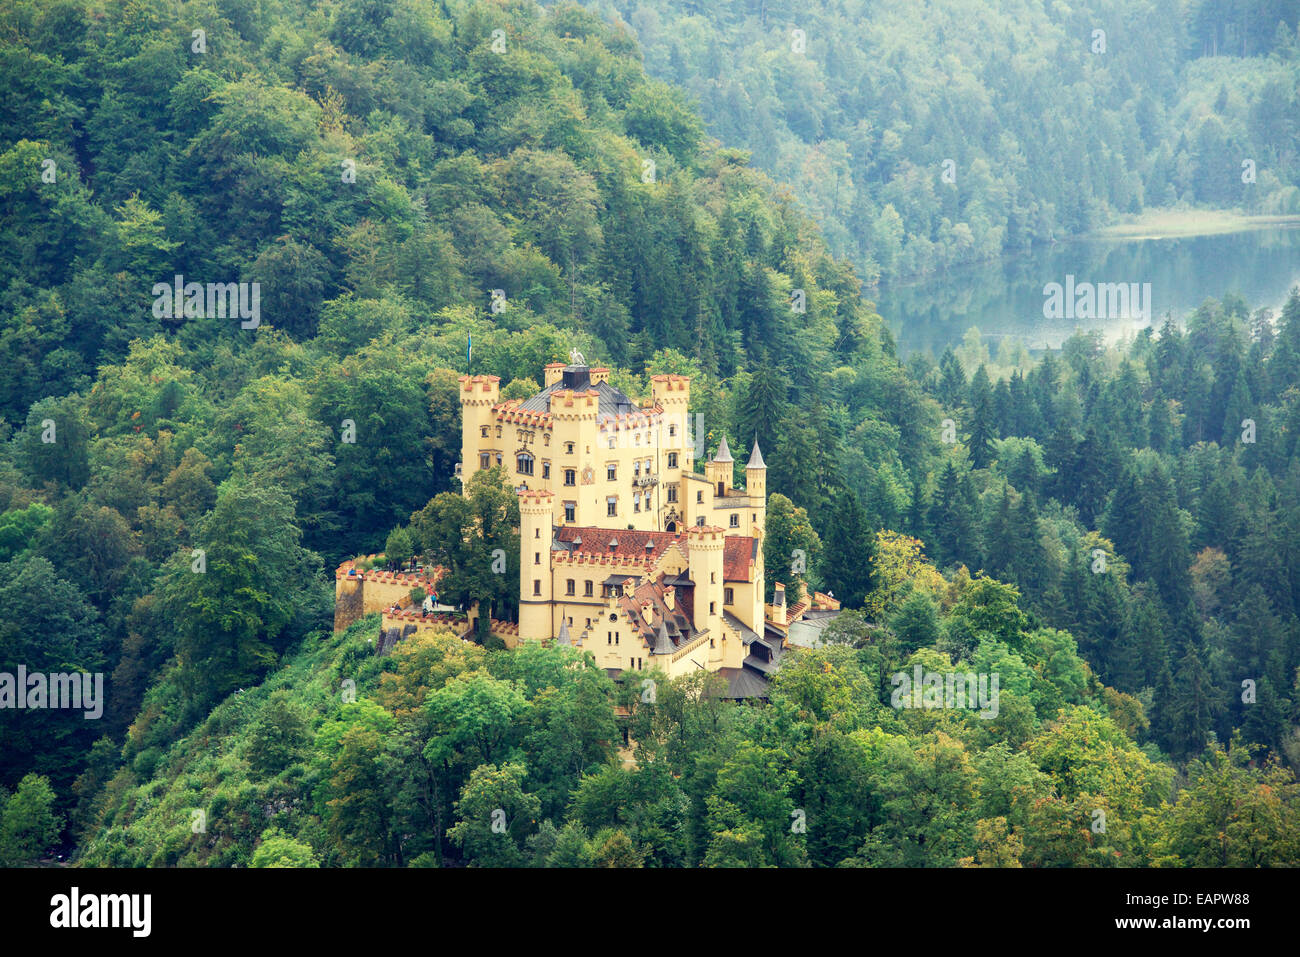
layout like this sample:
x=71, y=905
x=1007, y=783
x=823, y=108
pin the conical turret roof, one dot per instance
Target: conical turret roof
x=756, y=457
x=724, y=453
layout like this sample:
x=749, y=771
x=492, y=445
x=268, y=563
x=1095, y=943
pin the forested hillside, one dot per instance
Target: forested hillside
x=926, y=134
x=400, y=176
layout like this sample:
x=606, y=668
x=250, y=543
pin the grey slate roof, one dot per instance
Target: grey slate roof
x=747, y=635
x=756, y=457
x=610, y=401
x=744, y=683
x=724, y=453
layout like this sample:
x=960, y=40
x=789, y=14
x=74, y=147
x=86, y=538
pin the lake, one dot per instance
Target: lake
x=1006, y=299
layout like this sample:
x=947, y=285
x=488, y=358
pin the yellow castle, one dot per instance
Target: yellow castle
x=625, y=550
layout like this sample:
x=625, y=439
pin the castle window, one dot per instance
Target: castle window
x=537, y=533
x=609, y=637
x=636, y=468
x=570, y=477
x=713, y=608
x=569, y=508
x=672, y=430
x=524, y=463
x=672, y=493
x=735, y=520
x=728, y=596
x=700, y=521
x=611, y=506
x=611, y=441
x=722, y=490
x=713, y=578
x=636, y=501
x=587, y=591
x=498, y=431
x=699, y=496
x=485, y=431
x=537, y=558
x=569, y=587
x=568, y=448
x=611, y=472
x=546, y=440
x=546, y=470
x=537, y=586
x=498, y=458
x=485, y=461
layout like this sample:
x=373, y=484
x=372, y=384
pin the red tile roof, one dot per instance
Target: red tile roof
x=738, y=551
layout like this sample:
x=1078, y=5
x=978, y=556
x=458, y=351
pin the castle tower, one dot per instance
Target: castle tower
x=704, y=560
x=574, y=413
x=478, y=393
x=535, y=580
x=719, y=469
x=673, y=394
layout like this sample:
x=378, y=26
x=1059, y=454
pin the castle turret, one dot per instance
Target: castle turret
x=478, y=393
x=756, y=473
x=535, y=582
x=756, y=488
x=720, y=469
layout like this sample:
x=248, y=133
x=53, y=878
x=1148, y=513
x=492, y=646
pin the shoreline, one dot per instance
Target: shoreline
x=1187, y=223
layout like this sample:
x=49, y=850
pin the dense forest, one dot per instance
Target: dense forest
x=1107, y=528
x=926, y=134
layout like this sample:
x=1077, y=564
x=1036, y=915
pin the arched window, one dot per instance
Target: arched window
x=524, y=463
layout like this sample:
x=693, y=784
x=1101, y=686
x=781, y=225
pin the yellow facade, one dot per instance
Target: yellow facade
x=683, y=590
x=631, y=468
